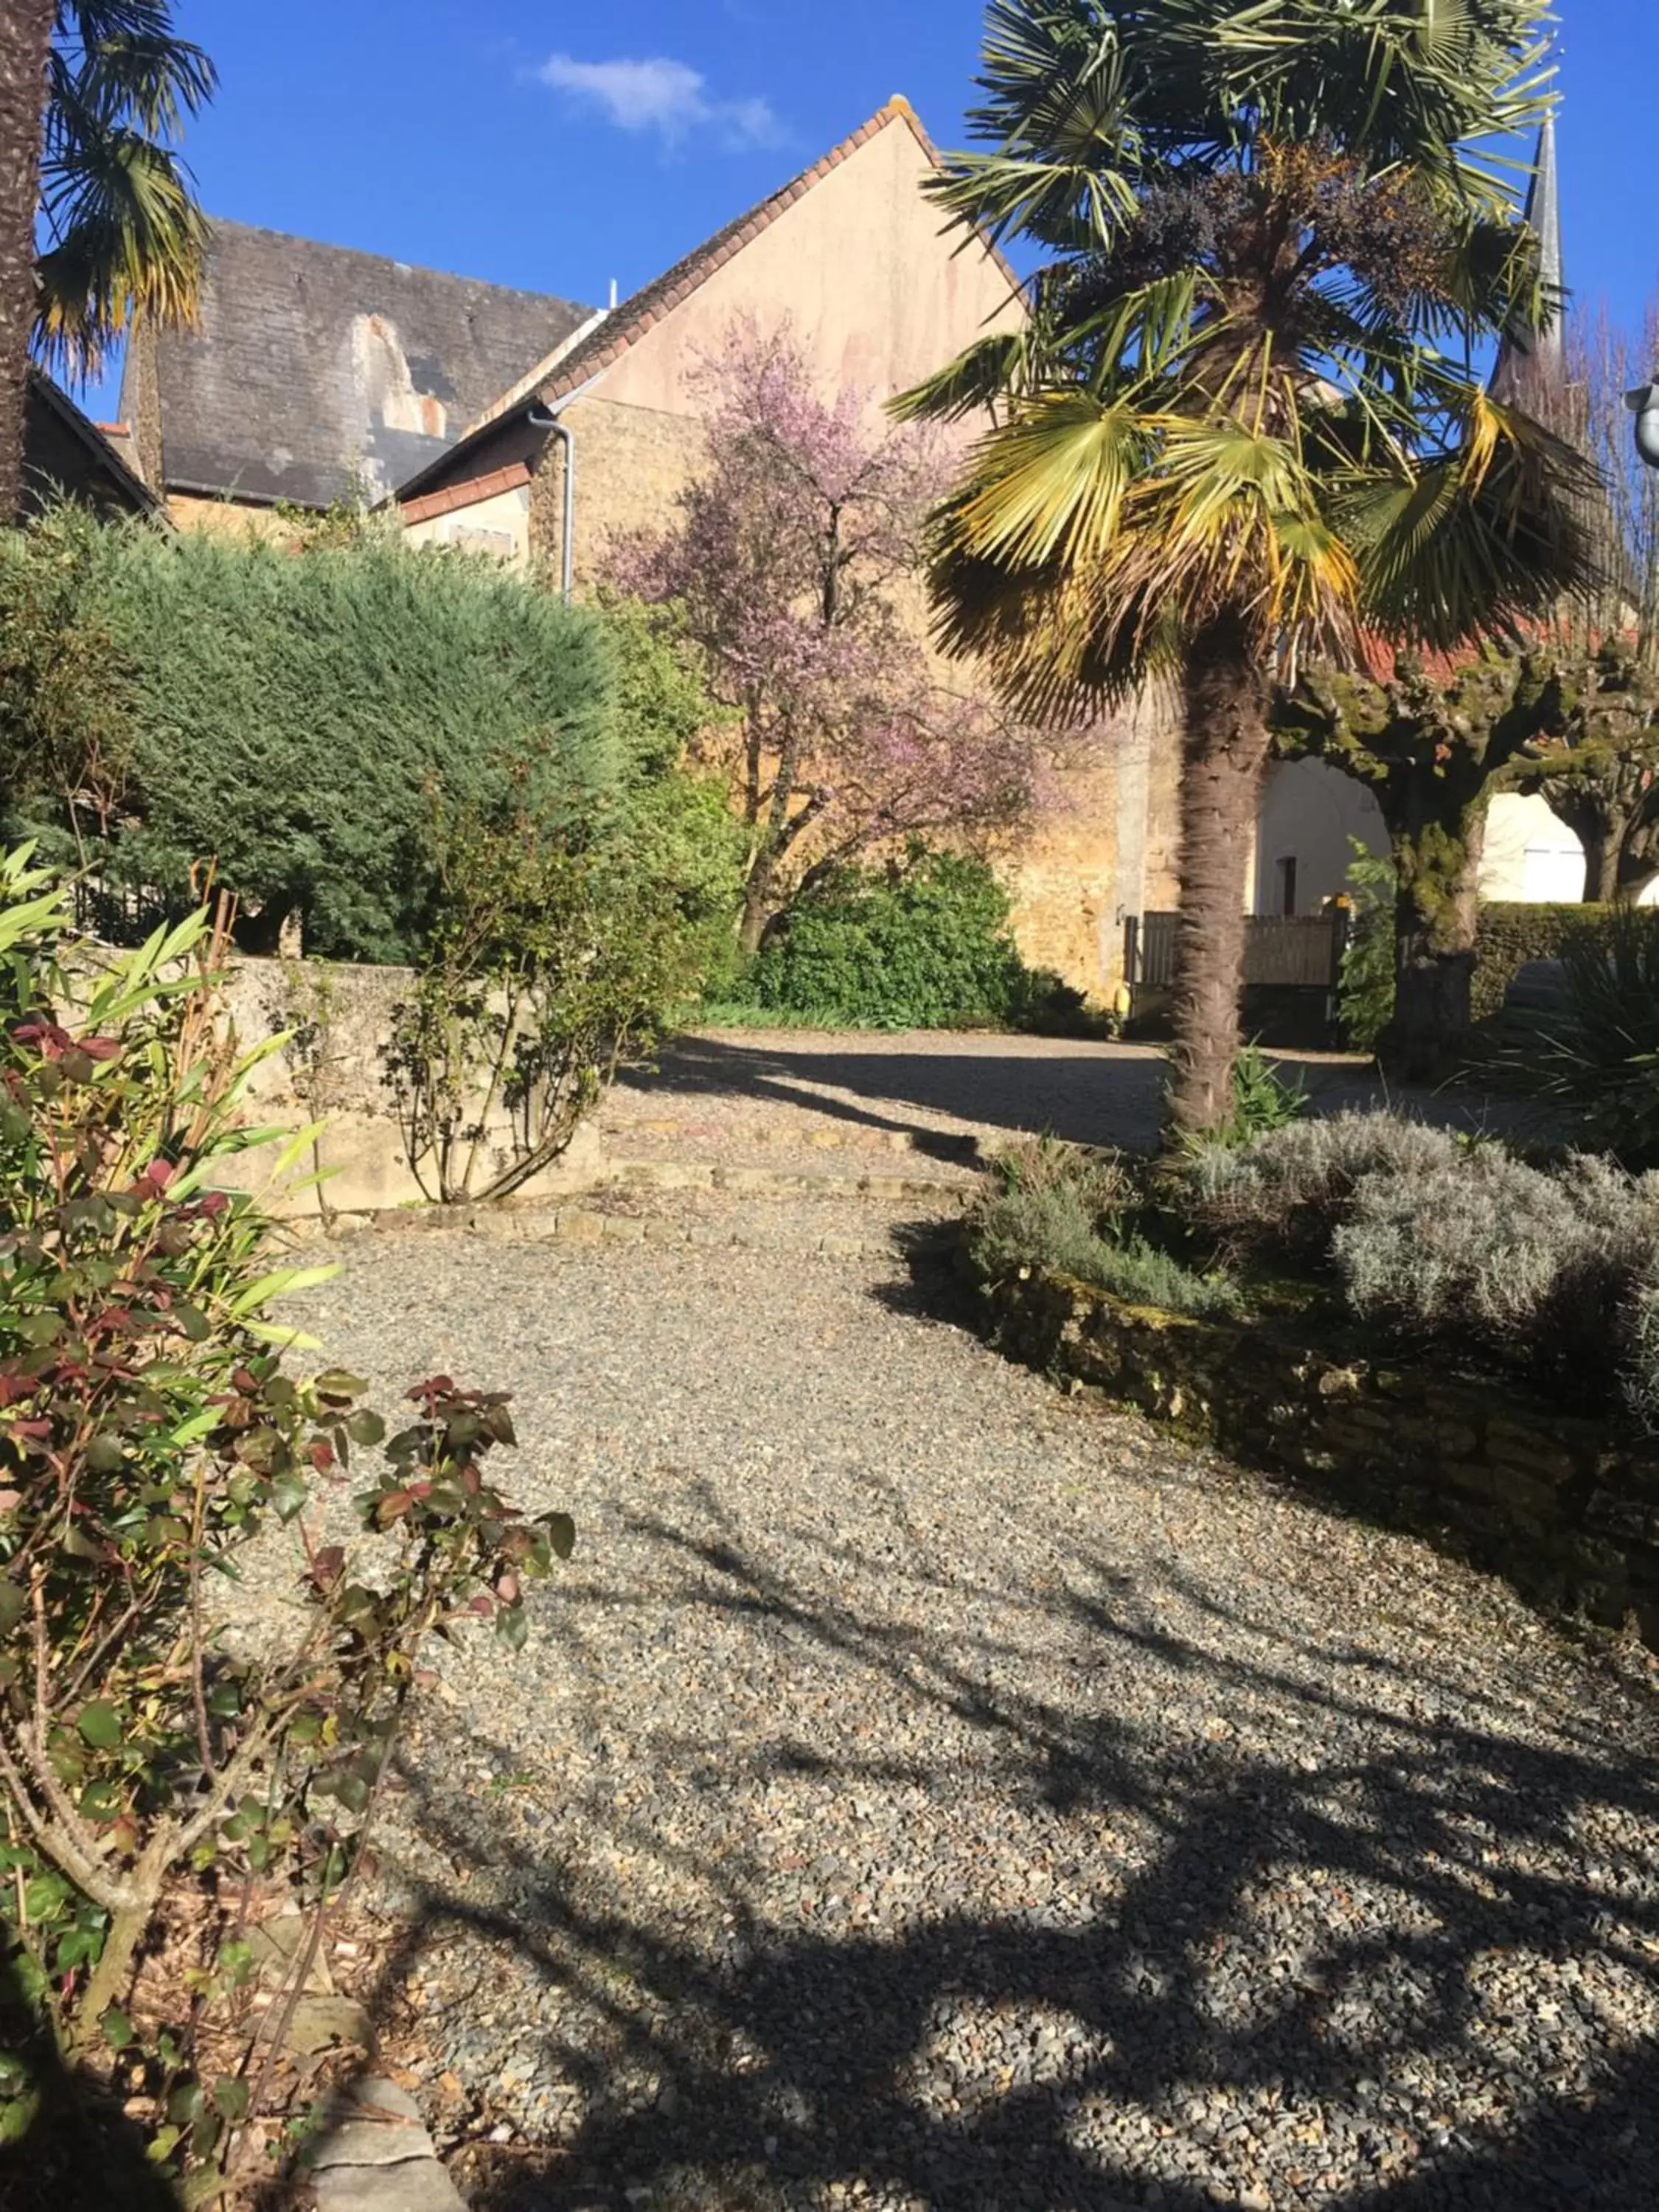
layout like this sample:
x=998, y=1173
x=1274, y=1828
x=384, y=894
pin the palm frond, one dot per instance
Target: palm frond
x=1050, y=483
x=1487, y=538
x=989, y=368
x=125, y=233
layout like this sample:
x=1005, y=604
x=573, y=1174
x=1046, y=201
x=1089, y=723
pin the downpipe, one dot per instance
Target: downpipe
x=543, y=418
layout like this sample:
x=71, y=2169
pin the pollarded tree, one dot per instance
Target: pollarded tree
x=1433, y=747
x=1240, y=424
x=1599, y=769
x=790, y=559
x=93, y=98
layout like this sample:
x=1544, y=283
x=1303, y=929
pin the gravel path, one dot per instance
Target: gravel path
x=738, y=1093
x=924, y=1791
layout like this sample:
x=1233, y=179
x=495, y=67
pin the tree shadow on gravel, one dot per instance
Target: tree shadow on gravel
x=1105, y=1095
x=768, y=2062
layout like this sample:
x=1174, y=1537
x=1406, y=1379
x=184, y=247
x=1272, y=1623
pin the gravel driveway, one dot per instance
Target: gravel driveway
x=924, y=1791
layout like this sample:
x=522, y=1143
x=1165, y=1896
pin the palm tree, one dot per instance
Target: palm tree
x=1242, y=421
x=93, y=96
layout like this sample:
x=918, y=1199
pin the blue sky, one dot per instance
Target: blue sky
x=556, y=147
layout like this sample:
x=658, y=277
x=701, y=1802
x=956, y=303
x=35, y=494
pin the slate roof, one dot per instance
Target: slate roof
x=613, y=334
x=64, y=450
x=315, y=370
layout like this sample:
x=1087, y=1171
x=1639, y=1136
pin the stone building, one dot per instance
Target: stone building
x=599, y=437
x=65, y=454
x=315, y=373
x=532, y=428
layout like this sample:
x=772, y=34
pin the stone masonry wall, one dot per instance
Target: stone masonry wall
x=332, y=1070
x=1102, y=851
x=1568, y=1509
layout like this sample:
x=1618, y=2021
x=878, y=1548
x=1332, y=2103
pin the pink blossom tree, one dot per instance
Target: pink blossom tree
x=794, y=557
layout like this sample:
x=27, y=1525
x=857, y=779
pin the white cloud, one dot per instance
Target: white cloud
x=667, y=97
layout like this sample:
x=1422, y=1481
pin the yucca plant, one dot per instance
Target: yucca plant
x=1240, y=420
x=1598, y=1057
x=95, y=95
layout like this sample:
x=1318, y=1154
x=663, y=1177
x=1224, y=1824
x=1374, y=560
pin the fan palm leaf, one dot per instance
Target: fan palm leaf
x=1240, y=423
x=123, y=235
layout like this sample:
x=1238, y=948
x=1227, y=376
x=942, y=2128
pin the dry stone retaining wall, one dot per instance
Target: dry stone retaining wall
x=1567, y=1508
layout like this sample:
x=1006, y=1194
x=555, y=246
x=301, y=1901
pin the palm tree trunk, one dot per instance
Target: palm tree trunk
x=1226, y=746
x=25, y=43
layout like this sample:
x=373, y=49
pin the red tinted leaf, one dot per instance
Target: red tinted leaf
x=321, y=1454
x=328, y=1565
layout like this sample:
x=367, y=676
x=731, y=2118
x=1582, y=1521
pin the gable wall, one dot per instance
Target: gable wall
x=877, y=298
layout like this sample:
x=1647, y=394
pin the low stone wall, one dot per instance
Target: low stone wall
x=1568, y=1509
x=339, y=1020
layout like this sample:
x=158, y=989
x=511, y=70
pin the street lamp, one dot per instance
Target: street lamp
x=1643, y=404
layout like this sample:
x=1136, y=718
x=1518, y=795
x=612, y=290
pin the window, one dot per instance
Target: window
x=1284, y=900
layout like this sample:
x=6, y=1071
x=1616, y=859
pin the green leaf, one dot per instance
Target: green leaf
x=163, y=2144
x=230, y=2098
x=235, y=1964
x=288, y=1494
x=513, y=1627
x=185, y=2103
x=78, y=1948
x=44, y=1895
x=13, y=1604
x=337, y=1383
x=117, y=2029
x=100, y=1724
x=352, y=1791
x=560, y=1532
x=367, y=1427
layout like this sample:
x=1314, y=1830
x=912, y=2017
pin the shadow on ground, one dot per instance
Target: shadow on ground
x=1092, y=1094
x=798, y=2067
x=79, y=2153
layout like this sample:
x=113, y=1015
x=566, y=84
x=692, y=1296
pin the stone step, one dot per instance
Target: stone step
x=802, y=1132
x=848, y=1180
x=847, y=1238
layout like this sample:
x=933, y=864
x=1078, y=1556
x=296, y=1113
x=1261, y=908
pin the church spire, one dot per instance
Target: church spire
x=1532, y=365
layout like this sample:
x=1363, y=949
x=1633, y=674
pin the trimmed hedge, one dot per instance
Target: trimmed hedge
x=921, y=943
x=1512, y=933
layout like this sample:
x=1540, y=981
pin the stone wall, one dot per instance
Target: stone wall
x=1568, y=1509
x=339, y=1021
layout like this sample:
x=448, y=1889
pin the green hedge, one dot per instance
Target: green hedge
x=923, y=943
x=286, y=709
x=1511, y=935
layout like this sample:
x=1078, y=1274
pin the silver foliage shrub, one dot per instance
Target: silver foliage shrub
x=1054, y=1206
x=1641, y=1376
x=1540, y=1270
x=1292, y=1186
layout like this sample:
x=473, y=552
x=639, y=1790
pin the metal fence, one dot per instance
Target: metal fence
x=1285, y=952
